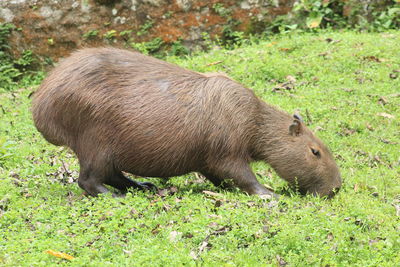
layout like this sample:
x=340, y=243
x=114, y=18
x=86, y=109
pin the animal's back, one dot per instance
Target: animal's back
x=147, y=114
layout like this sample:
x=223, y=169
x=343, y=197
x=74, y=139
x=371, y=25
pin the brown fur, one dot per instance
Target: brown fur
x=124, y=111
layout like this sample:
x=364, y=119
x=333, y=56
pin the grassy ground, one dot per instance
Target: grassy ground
x=347, y=87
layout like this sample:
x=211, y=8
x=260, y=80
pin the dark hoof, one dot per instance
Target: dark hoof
x=147, y=186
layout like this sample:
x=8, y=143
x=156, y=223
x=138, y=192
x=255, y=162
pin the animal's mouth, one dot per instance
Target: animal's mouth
x=333, y=192
x=329, y=194
x=315, y=191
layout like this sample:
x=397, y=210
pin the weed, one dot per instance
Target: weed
x=221, y=10
x=320, y=13
x=6, y=148
x=90, y=34
x=26, y=60
x=126, y=35
x=168, y=14
x=50, y=41
x=151, y=47
x=178, y=49
x=144, y=29
x=312, y=14
x=110, y=35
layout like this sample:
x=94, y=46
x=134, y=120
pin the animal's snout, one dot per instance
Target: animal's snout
x=333, y=192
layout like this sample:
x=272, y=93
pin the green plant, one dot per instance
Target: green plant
x=388, y=19
x=178, y=49
x=144, y=29
x=8, y=73
x=12, y=69
x=221, y=10
x=6, y=148
x=168, y=14
x=231, y=38
x=207, y=41
x=25, y=60
x=110, y=35
x=5, y=31
x=316, y=14
x=90, y=34
x=282, y=24
x=126, y=35
x=319, y=13
x=150, y=47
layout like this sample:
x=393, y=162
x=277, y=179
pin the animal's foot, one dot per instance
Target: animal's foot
x=146, y=186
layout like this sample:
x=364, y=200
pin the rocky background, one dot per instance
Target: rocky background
x=53, y=28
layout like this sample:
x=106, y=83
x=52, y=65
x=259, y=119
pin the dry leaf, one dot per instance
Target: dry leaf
x=59, y=254
x=214, y=63
x=387, y=141
x=386, y=115
x=314, y=24
x=204, y=244
x=222, y=230
x=369, y=127
x=348, y=90
x=291, y=79
x=284, y=86
x=356, y=188
x=127, y=251
x=330, y=236
x=173, y=236
x=193, y=255
x=281, y=261
x=382, y=100
x=213, y=224
x=213, y=194
x=173, y=190
x=218, y=203
x=156, y=229
x=188, y=235
x=397, y=207
x=330, y=40
x=162, y=192
x=375, y=194
x=394, y=95
x=373, y=58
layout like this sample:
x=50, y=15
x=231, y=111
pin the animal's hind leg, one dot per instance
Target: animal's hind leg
x=122, y=183
x=224, y=184
x=94, y=170
x=91, y=180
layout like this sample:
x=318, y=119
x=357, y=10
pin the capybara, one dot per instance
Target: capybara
x=121, y=111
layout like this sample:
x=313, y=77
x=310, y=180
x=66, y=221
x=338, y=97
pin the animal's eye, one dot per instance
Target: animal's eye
x=315, y=152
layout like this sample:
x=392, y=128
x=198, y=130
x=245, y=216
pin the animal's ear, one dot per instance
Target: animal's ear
x=298, y=117
x=296, y=128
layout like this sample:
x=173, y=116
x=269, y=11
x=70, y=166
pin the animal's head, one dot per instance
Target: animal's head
x=305, y=162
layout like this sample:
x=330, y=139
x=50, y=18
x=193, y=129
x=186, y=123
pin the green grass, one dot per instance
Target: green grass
x=345, y=88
